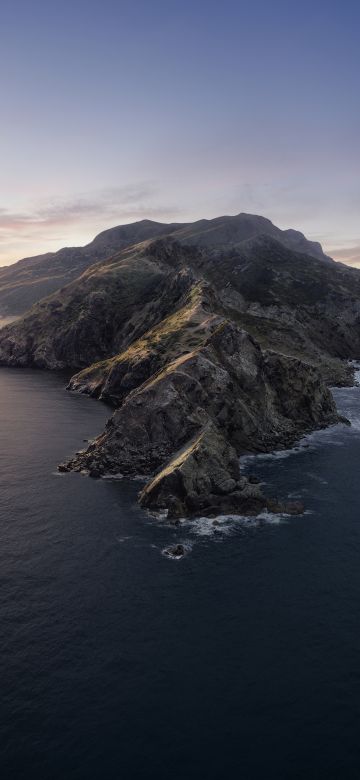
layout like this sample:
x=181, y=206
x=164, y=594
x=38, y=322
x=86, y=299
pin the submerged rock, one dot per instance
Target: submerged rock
x=294, y=508
x=63, y=467
x=177, y=551
x=285, y=507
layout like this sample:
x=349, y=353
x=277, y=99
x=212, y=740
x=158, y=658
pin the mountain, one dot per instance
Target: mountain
x=27, y=281
x=290, y=302
x=225, y=232
x=211, y=341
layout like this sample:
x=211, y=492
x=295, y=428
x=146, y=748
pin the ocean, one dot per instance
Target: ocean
x=241, y=660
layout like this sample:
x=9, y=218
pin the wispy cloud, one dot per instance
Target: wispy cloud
x=59, y=221
x=122, y=202
x=348, y=255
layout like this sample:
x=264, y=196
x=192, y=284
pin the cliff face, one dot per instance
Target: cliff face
x=203, y=477
x=290, y=302
x=205, y=352
x=243, y=400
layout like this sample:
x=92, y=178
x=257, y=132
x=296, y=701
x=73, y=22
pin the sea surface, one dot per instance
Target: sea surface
x=241, y=660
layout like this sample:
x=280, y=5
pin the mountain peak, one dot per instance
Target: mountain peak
x=25, y=282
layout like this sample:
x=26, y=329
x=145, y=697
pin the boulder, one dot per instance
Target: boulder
x=177, y=551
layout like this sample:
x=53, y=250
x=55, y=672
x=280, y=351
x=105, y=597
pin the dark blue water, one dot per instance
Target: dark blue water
x=242, y=660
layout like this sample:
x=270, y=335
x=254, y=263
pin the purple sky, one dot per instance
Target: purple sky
x=113, y=111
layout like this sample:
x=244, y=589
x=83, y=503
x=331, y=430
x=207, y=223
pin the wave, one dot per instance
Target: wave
x=310, y=442
x=228, y=524
x=131, y=477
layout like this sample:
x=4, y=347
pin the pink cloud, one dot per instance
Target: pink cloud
x=347, y=255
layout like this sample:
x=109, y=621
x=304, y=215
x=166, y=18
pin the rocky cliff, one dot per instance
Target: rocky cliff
x=224, y=395
x=211, y=343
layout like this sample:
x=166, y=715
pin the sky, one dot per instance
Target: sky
x=120, y=110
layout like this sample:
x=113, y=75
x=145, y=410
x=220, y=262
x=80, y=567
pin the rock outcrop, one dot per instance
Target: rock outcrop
x=204, y=477
x=222, y=399
x=178, y=334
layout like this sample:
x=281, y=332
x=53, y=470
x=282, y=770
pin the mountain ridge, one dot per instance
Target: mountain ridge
x=28, y=280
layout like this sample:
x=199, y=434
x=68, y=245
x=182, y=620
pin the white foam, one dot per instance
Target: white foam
x=205, y=526
x=356, y=366
x=274, y=455
x=310, y=442
x=162, y=515
x=119, y=476
x=227, y=524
